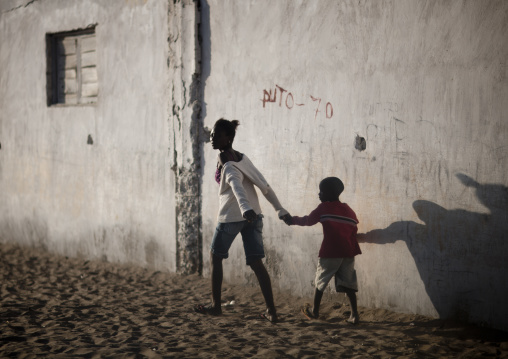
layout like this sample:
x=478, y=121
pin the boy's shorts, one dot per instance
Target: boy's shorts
x=252, y=238
x=342, y=268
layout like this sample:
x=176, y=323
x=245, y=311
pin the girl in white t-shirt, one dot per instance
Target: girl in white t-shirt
x=239, y=212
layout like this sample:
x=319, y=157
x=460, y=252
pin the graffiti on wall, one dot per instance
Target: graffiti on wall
x=288, y=100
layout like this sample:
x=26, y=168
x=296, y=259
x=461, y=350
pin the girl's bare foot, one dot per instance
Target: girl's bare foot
x=353, y=319
x=270, y=315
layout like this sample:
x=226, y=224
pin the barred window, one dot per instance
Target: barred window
x=72, y=67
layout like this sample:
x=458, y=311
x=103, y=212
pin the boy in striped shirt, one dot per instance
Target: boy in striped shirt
x=338, y=249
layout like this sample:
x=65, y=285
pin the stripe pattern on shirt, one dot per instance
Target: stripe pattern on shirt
x=338, y=219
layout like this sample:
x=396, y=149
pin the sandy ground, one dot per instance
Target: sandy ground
x=53, y=306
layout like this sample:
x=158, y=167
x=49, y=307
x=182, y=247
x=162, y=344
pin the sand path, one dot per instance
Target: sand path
x=53, y=306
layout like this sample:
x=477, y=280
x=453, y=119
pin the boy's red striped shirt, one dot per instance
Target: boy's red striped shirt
x=339, y=229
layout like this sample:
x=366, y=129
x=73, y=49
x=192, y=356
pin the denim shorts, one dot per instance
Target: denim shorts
x=252, y=238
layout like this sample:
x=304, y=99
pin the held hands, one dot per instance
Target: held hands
x=251, y=216
x=287, y=219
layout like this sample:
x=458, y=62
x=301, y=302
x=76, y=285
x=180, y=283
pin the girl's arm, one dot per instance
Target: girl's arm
x=272, y=198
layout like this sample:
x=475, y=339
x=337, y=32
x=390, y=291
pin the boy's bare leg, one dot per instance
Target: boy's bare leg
x=354, y=318
x=317, y=302
x=266, y=288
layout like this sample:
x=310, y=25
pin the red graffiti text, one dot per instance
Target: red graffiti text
x=287, y=99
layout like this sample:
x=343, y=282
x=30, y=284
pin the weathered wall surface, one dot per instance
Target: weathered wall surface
x=405, y=101
x=186, y=131
x=425, y=84
x=113, y=199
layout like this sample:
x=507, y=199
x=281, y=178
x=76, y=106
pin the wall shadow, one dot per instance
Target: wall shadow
x=461, y=256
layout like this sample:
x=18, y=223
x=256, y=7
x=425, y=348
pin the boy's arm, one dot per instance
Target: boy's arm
x=309, y=220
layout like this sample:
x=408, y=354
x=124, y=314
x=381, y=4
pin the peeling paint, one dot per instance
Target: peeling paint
x=187, y=127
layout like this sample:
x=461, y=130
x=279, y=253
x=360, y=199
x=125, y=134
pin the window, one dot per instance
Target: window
x=72, y=71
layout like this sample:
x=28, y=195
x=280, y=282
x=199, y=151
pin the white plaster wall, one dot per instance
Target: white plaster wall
x=425, y=83
x=113, y=199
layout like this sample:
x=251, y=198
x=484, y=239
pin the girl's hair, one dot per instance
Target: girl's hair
x=229, y=127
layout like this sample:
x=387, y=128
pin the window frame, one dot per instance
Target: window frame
x=52, y=71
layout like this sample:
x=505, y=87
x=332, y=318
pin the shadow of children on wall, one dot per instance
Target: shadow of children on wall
x=461, y=256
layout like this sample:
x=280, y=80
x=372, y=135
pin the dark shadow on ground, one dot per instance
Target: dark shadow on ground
x=461, y=256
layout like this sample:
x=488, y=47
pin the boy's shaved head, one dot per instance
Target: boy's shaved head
x=332, y=186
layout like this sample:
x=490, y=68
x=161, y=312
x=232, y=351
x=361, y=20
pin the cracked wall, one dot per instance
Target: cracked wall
x=119, y=180
x=184, y=65
x=95, y=180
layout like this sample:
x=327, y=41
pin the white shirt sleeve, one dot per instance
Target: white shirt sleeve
x=234, y=177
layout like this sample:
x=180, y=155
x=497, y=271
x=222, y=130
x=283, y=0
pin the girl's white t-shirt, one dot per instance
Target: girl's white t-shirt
x=237, y=194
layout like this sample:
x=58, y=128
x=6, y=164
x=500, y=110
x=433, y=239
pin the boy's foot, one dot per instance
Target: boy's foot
x=308, y=312
x=269, y=315
x=353, y=319
x=207, y=309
